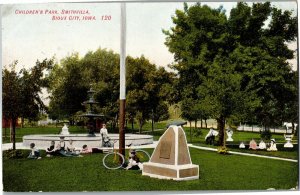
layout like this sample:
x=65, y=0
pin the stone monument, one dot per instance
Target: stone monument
x=65, y=130
x=171, y=158
x=229, y=133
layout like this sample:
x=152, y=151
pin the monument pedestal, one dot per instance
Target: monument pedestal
x=288, y=145
x=288, y=139
x=179, y=172
x=171, y=158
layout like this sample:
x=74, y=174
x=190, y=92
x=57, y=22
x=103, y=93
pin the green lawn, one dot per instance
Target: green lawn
x=217, y=172
x=238, y=136
x=20, y=132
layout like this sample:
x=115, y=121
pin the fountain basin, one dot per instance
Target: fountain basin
x=42, y=141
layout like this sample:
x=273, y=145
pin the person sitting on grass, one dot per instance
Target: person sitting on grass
x=71, y=148
x=134, y=161
x=89, y=150
x=51, y=150
x=35, y=153
x=61, y=149
x=242, y=145
x=272, y=146
x=262, y=145
x=253, y=145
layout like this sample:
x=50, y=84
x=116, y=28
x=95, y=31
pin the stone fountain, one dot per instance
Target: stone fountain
x=91, y=124
x=92, y=139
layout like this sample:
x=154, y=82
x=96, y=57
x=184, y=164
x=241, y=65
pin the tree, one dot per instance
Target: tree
x=32, y=82
x=68, y=88
x=222, y=94
x=147, y=88
x=188, y=113
x=262, y=55
x=101, y=68
x=11, y=98
x=233, y=67
x=21, y=93
x=142, y=94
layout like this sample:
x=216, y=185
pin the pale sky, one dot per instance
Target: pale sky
x=27, y=37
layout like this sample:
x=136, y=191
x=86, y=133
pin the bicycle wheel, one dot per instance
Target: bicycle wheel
x=143, y=156
x=113, y=160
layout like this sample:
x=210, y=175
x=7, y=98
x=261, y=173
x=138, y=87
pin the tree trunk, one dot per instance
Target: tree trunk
x=152, y=126
x=152, y=118
x=190, y=131
x=13, y=124
x=5, y=132
x=221, y=127
x=116, y=122
x=205, y=123
x=11, y=130
x=132, y=125
x=140, y=126
x=201, y=123
x=22, y=122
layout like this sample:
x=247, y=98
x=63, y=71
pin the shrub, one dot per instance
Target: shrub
x=266, y=134
x=222, y=150
x=197, y=132
x=9, y=154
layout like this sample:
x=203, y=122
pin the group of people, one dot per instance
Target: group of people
x=61, y=149
x=262, y=145
x=133, y=161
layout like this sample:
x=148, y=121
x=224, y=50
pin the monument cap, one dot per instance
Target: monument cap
x=176, y=123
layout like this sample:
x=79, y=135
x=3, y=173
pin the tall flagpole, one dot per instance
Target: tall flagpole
x=122, y=80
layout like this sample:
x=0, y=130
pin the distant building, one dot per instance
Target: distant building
x=6, y=123
x=45, y=122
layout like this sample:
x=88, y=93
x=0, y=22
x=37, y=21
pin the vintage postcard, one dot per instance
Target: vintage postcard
x=140, y=96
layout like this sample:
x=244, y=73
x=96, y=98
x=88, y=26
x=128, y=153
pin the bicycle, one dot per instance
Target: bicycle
x=115, y=160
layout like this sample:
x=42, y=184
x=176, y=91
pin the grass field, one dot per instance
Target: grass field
x=238, y=136
x=20, y=132
x=217, y=172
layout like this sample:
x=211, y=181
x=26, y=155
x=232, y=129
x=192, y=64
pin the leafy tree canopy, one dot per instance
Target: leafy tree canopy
x=147, y=86
x=236, y=66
